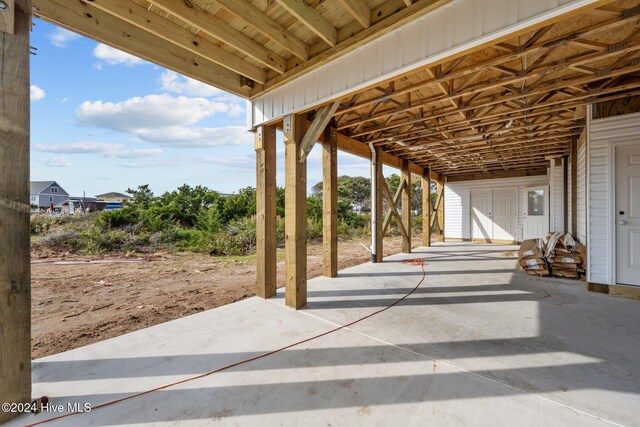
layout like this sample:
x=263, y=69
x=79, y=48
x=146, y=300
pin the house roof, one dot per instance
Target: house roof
x=37, y=187
x=114, y=194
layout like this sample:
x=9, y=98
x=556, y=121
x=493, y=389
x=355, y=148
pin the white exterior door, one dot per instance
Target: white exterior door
x=505, y=213
x=628, y=215
x=481, y=221
x=536, y=212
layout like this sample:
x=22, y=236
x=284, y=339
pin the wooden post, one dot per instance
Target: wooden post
x=376, y=205
x=265, y=145
x=440, y=208
x=574, y=187
x=15, y=262
x=295, y=217
x=330, y=203
x=427, y=207
x=405, y=175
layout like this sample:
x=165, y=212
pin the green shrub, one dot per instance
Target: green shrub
x=116, y=218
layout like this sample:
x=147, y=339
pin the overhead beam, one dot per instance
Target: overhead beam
x=246, y=11
x=295, y=216
x=316, y=129
x=185, y=39
x=330, y=203
x=215, y=27
x=312, y=20
x=494, y=175
x=107, y=29
x=266, y=250
x=15, y=260
x=359, y=10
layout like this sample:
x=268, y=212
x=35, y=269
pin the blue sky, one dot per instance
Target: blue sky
x=102, y=120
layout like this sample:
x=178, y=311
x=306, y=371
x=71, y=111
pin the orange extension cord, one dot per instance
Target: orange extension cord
x=415, y=261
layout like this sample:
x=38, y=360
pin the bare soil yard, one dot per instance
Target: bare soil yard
x=78, y=304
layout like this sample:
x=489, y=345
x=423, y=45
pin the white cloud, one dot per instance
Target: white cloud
x=183, y=137
x=114, y=56
x=61, y=37
x=57, y=162
x=109, y=150
x=149, y=112
x=37, y=93
x=174, y=82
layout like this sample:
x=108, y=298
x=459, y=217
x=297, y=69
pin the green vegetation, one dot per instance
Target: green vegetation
x=201, y=220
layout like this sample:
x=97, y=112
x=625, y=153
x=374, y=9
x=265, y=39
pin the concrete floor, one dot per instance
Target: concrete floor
x=479, y=343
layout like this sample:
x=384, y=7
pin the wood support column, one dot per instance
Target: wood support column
x=295, y=216
x=574, y=187
x=427, y=208
x=265, y=145
x=330, y=203
x=15, y=263
x=376, y=206
x=439, y=208
x=405, y=175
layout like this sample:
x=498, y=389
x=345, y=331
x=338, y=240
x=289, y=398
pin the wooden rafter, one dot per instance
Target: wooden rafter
x=316, y=129
x=312, y=19
x=359, y=10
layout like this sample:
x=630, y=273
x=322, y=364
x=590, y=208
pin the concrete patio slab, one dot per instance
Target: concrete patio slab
x=478, y=343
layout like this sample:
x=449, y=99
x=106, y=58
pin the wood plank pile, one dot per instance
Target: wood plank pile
x=558, y=255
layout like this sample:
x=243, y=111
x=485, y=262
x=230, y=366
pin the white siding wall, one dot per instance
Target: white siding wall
x=556, y=193
x=457, y=202
x=604, y=135
x=569, y=224
x=582, y=190
x=456, y=27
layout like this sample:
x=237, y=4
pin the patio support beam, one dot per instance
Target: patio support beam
x=330, y=203
x=438, y=217
x=427, y=207
x=265, y=145
x=316, y=129
x=15, y=263
x=376, y=205
x=405, y=175
x=295, y=216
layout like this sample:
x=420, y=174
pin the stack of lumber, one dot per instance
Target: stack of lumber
x=564, y=255
x=532, y=257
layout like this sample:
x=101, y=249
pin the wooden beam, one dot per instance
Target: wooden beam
x=222, y=31
x=317, y=128
x=427, y=208
x=376, y=207
x=438, y=217
x=7, y=17
x=295, y=216
x=393, y=210
x=312, y=20
x=330, y=203
x=388, y=215
x=265, y=145
x=405, y=176
x=15, y=261
x=359, y=10
x=494, y=175
x=155, y=24
x=574, y=187
x=246, y=11
x=109, y=30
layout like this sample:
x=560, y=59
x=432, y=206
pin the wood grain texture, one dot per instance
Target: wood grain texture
x=15, y=262
x=405, y=175
x=295, y=217
x=427, y=208
x=330, y=203
x=377, y=229
x=265, y=144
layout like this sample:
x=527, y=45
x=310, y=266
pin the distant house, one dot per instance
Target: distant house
x=44, y=193
x=113, y=197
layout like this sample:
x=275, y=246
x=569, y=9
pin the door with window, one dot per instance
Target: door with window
x=627, y=215
x=536, y=212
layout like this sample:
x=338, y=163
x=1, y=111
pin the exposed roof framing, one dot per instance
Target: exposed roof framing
x=241, y=46
x=506, y=107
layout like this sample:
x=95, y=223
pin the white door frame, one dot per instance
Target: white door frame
x=547, y=197
x=611, y=211
x=490, y=232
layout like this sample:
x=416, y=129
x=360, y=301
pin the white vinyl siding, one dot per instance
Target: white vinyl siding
x=456, y=27
x=457, y=202
x=581, y=190
x=604, y=134
x=556, y=194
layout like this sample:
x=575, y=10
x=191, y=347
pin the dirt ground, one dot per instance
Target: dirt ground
x=78, y=304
